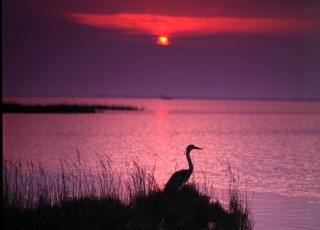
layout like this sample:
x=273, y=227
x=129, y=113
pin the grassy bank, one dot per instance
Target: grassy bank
x=83, y=197
x=61, y=108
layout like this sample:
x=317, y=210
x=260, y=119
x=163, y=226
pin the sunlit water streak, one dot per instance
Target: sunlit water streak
x=274, y=146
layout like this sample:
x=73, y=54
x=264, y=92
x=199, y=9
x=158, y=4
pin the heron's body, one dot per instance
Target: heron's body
x=182, y=176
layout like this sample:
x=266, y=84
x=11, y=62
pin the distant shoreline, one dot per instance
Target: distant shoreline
x=164, y=97
x=62, y=108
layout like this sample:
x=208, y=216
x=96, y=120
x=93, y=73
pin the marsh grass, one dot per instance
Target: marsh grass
x=81, y=196
x=239, y=203
x=62, y=108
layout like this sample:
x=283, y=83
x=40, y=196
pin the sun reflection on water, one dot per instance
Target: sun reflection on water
x=276, y=152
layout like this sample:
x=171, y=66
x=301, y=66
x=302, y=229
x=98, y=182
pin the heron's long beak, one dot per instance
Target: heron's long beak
x=197, y=148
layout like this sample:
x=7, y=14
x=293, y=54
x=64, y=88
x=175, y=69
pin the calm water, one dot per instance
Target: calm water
x=273, y=145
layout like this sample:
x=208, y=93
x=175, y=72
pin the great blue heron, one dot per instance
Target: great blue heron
x=180, y=177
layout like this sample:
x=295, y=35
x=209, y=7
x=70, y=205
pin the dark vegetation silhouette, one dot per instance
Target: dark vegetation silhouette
x=182, y=176
x=62, y=108
x=80, y=196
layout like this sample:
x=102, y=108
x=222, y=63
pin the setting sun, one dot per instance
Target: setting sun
x=162, y=40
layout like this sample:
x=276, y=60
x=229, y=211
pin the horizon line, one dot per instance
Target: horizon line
x=167, y=97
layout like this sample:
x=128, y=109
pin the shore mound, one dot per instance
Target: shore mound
x=75, y=198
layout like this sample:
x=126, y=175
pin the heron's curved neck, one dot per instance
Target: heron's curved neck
x=189, y=161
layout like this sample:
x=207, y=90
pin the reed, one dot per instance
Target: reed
x=82, y=196
x=239, y=205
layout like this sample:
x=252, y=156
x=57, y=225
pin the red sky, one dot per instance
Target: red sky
x=255, y=49
x=152, y=24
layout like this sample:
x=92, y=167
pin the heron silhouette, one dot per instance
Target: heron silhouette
x=182, y=176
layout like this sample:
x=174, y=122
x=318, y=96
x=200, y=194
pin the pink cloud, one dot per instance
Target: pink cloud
x=162, y=25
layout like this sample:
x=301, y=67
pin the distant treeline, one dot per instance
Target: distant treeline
x=61, y=108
